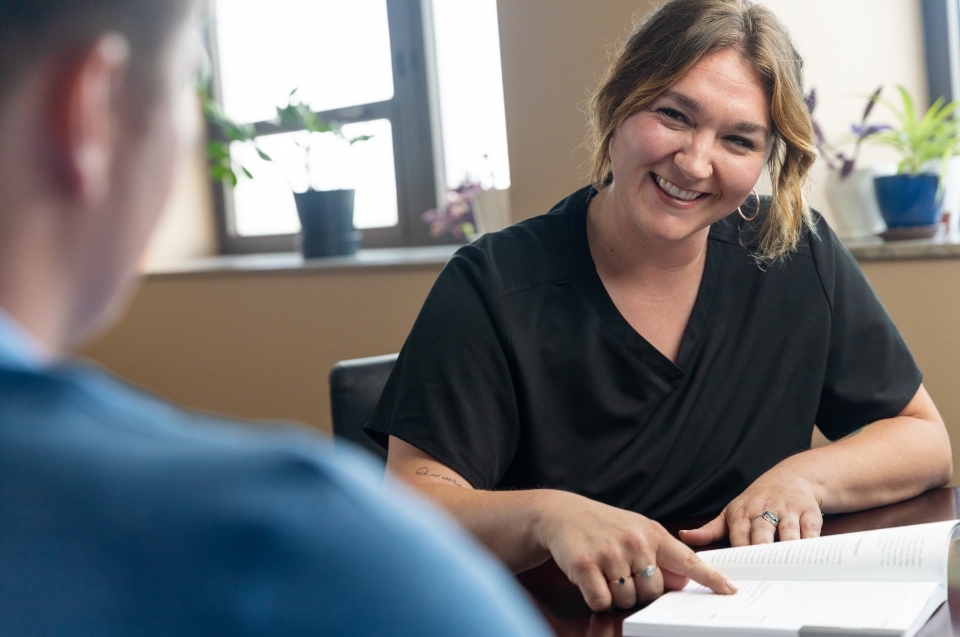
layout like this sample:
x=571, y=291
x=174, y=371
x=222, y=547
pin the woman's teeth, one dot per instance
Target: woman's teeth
x=687, y=195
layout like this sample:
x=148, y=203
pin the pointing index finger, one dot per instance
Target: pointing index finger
x=676, y=557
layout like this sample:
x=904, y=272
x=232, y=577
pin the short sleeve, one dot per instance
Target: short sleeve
x=451, y=393
x=870, y=373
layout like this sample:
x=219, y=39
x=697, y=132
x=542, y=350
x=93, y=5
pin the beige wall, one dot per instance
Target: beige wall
x=553, y=53
x=923, y=297
x=261, y=345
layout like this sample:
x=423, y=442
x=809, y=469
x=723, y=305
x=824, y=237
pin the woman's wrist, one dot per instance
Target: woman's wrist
x=548, y=510
x=804, y=471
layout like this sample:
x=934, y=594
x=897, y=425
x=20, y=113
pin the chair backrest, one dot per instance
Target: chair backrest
x=355, y=387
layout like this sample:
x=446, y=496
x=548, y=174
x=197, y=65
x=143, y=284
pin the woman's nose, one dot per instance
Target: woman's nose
x=694, y=158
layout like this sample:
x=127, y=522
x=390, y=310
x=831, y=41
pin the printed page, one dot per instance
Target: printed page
x=906, y=554
x=784, y=607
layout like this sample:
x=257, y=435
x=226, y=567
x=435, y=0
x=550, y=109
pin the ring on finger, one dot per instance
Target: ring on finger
x=769, y=516
x=646, y=572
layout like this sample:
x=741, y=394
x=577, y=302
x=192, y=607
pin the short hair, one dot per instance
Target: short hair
x=673, y=39
x=31, y=30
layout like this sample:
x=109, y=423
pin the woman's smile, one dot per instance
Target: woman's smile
x=676, y=192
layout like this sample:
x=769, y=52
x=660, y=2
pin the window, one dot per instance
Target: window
x=371, y=65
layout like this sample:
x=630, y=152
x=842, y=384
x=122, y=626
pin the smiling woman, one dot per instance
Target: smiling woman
x=660, y=345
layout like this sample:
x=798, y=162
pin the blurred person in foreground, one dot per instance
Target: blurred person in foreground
x=121, y=514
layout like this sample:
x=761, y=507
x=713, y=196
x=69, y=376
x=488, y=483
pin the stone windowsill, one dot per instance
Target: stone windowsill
x=943, y=246
x=391, y=258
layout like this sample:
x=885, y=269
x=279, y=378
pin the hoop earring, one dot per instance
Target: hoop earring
x=743, y=216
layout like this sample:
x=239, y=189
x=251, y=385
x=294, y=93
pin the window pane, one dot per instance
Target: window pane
x=471, y=92
x=264, y=205
x=337, y=53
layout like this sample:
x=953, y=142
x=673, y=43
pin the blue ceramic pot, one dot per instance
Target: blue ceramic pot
x=908, y=200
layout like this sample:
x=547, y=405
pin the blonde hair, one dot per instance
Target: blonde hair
x=666, y=45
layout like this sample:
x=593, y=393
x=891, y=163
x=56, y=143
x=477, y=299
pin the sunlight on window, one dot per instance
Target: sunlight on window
x=265, y=205
x=471, y=92
x=337, y=53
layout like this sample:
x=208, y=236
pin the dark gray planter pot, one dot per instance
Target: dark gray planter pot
x=326, y=217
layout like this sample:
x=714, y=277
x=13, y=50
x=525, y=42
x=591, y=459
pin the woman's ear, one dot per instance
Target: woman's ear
x=85, y=118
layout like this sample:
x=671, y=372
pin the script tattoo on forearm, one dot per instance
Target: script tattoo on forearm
x=424, y=471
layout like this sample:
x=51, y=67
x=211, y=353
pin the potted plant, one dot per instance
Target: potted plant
x=849, y=189
x=458, y=217
x=911, y=198
x=326, y=216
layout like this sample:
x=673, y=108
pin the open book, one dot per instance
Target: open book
x=873, y=583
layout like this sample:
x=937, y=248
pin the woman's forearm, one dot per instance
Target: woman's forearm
x=613, y=556
x=506, y=522
x=887, y=461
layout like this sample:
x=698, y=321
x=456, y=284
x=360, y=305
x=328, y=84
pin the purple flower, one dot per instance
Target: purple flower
x=811, y=100
x=862, y=131
x=456, y=217
x=818, y=134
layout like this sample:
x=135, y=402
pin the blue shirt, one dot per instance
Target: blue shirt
x=121, y=514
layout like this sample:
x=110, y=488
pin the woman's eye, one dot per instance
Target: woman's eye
x=742, y=142
x=672, y=114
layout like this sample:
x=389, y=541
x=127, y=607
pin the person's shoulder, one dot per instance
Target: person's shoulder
x=219, y=510
x=548, y=247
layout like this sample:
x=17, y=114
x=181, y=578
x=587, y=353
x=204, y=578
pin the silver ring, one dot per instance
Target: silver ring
x=648, y=572
x=769, y=516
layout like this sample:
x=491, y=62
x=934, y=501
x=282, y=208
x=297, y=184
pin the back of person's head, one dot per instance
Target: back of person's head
x=31, y=30
x=91, y=130
x=672, y=40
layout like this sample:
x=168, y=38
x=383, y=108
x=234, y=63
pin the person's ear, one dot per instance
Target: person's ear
x=85, y=118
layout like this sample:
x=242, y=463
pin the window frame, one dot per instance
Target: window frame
x=411, y=113
x=941, y=31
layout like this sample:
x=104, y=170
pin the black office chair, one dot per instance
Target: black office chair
x=355, y=387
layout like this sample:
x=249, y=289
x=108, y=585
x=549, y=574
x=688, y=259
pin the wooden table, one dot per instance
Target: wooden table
x=568, y=614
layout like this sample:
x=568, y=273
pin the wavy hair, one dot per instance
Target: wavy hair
x=666, y=45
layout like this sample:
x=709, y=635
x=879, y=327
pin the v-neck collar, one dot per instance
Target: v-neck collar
x=672, y=373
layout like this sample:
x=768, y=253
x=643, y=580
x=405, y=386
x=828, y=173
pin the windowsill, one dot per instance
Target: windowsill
x=943, y=246
x=428, y=256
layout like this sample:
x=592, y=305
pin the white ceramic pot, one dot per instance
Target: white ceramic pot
x=491, y=210
x=853, y=203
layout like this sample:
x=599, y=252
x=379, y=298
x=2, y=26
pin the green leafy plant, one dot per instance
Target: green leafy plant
x=920, y=139
x=224, y=132
x=298, y=116
x=295, y=115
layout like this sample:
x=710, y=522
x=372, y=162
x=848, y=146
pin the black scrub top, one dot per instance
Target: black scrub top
x=521, y=373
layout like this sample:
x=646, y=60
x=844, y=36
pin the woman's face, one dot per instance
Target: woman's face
x=695, y=152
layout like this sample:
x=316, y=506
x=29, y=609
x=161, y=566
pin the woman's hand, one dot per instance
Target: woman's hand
x=786, y=494
x=596, y=545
